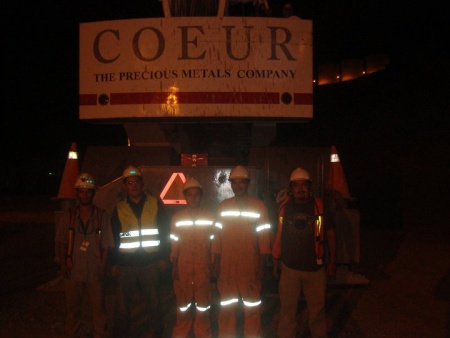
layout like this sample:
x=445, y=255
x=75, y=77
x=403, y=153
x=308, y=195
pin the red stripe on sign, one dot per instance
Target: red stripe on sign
x=229, y=98
x=138, y=98
x=196, y=98
x=88, y=99
x=303, y=99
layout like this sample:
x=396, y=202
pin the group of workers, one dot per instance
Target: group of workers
x=230, y=246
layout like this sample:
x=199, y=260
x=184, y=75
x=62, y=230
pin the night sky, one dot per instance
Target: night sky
x=391, y=115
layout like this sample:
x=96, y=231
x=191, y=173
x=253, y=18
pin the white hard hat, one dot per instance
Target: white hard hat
x=239, y=172
x=85, y=181
x=299, y=174
x=131, y=171
x=191, y=183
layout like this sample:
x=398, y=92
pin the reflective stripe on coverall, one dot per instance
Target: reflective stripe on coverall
x=191, y=245
x=242, y=237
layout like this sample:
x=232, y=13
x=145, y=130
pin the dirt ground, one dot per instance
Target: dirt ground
x=407, y=294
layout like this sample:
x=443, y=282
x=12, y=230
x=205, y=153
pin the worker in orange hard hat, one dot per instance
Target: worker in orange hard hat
x=191, y=235
x=85, y=239
x=299, y=252
x=240, y=247
x=141, y=253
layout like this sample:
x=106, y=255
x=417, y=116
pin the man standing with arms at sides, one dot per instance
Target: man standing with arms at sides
x=298, y=251
x=85, y=240
x=191, y=235
x=240, y=246
x=140, y=253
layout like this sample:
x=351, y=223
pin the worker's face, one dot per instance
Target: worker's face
x=134, y=186
x=240, y=186
x=85, y=196
x=300, y=190
x=193, y=197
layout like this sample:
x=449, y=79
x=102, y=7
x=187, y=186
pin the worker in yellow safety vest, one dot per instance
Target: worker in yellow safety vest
x=240, y=246
x=141, y=252
x=191, y=234
x=299, y=257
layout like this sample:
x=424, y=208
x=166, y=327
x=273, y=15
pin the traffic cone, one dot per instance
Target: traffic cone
x=70, y=175
x=337, y=184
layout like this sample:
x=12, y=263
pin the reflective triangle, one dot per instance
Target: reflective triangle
x=173, y=190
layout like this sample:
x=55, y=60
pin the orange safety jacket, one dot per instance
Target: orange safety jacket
x=318, y=231
x=73, y=211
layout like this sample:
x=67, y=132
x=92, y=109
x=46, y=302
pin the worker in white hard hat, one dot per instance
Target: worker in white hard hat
x=84, y=238
x=300, y=263
x=141, y=253
x=191, y=235
x=240, y=247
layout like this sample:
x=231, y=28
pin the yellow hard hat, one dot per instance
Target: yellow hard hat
x=239, y=172
x=85, y=181
x=191, y=183
x=300, y=174
x=131, y=171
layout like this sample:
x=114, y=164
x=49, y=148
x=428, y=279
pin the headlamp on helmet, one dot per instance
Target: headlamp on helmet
x=85, y=181
x=131, y=171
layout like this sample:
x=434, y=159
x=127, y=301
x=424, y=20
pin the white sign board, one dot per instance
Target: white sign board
x=191, y=67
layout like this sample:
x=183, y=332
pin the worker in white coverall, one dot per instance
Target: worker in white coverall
x=191, y=234
x=85, y=238
x=240, y=247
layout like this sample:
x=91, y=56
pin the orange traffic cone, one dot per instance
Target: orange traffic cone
x=337, y=184
x=70, y=175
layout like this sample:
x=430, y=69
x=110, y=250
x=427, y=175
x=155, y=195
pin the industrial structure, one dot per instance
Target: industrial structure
x=198, y=95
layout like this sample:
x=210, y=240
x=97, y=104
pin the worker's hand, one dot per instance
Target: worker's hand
x=331, y=269
x=276, y=269
x=115, y=271
x=163, y=265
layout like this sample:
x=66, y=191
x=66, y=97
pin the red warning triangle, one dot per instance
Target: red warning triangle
x=173, y=190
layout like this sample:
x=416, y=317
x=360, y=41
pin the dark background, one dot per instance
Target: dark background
x=390, y=128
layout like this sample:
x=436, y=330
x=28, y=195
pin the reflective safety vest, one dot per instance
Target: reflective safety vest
x=139, y=232
x=318, y=230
